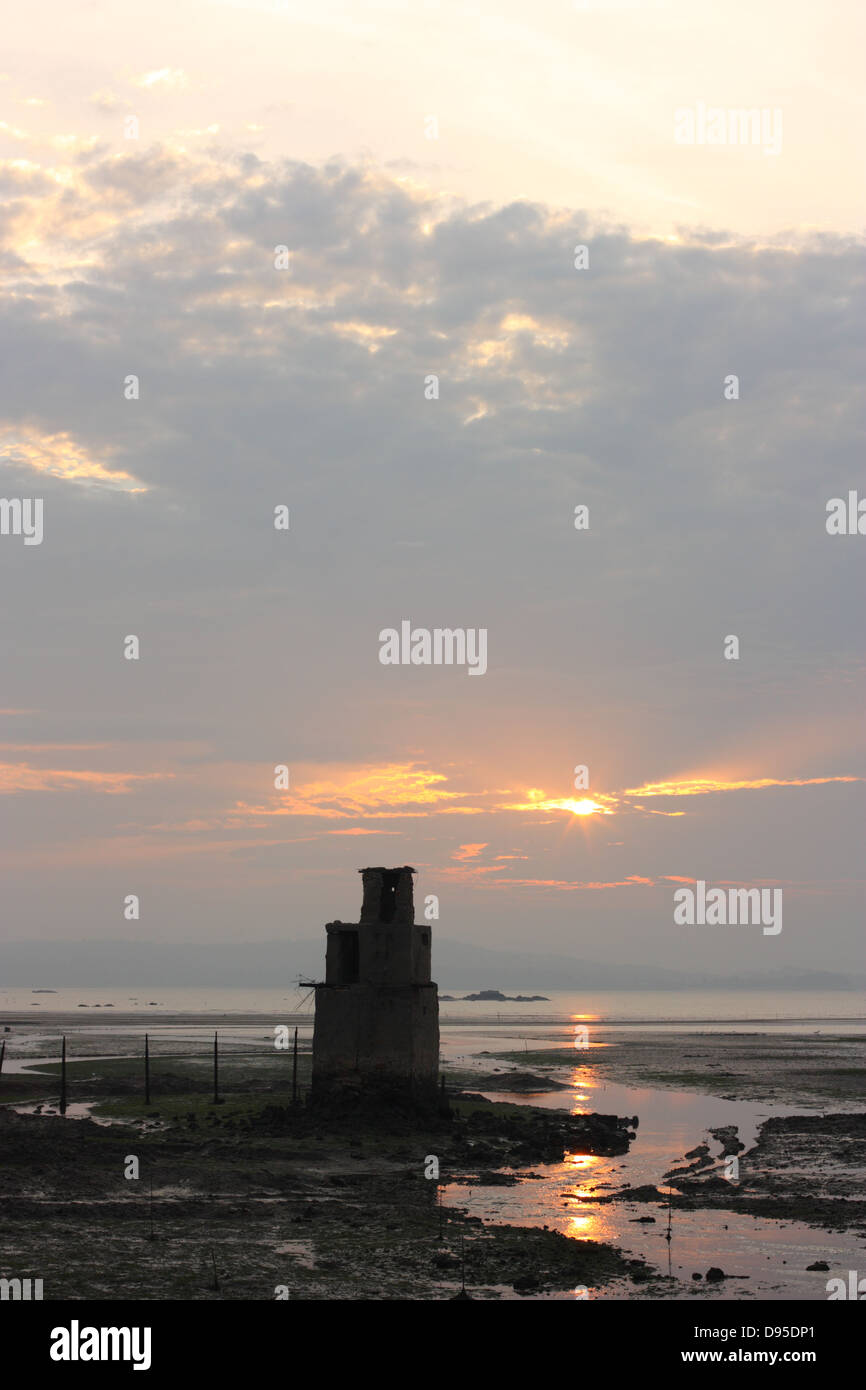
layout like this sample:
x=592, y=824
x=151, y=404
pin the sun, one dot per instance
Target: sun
x=585, y=807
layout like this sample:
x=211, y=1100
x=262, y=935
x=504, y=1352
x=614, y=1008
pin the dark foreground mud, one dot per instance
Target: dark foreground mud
x=255, y=1201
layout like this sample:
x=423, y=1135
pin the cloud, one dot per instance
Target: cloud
x=259, y=387
x=575, y=885
x=22, y=777
x=705, y=786
x=106, y=100
x=60, y=456
x=162, y=77
x=388, y=791
x=359, y=830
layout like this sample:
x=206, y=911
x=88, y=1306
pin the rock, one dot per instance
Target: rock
x=714, y=1274
x=819, y=1264
x=494, y=996
x=697, y=1276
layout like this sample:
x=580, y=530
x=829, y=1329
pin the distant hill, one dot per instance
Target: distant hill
x=458, y=966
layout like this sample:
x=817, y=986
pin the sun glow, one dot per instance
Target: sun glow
x=586, y=807
x=537, y=801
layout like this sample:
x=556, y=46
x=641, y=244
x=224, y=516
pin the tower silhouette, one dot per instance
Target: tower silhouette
x=377, y=1011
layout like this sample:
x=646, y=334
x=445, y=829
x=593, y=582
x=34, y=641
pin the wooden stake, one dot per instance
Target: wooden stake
x=63, y=1076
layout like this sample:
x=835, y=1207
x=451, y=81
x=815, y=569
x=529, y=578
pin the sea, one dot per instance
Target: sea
x=789, y=1011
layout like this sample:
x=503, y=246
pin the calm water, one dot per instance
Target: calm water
x=773, y=1255
x=791, y=1011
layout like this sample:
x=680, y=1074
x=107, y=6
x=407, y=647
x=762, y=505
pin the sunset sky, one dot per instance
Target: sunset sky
x=261, y=125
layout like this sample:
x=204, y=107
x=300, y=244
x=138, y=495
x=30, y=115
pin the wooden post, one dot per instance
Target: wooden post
x=2, y=1055
x=216, y=1089
x=146, y=1070
x=63, y=1076
x=295, y=1070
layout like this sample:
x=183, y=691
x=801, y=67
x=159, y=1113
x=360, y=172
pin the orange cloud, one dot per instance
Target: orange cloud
x=357, y=830
x=700, y=786
x=367, y=792
x=468, y=851
x=60, y=456
x=633, y=881
x=607, y=805
x=468, y=873
x=21, y=777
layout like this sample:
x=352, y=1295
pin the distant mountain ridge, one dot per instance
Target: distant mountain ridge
x=457, y=965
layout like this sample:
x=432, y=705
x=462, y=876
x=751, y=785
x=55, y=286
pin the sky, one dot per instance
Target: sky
x=431, y=171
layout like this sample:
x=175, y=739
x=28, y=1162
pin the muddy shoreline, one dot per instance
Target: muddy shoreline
x=809, y=1071
x=337, y=1205
x=324, y=1204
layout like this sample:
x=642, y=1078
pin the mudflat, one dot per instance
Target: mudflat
x=808, y=1071
x=252, y=1197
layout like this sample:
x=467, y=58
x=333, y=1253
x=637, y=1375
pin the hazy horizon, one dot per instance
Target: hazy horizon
x=137, y=964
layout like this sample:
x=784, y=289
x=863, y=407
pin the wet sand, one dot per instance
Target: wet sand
x=814, y=1072
x=332, y=1209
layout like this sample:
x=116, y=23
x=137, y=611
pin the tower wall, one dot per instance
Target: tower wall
x=377, y=1013
x=388, y=1033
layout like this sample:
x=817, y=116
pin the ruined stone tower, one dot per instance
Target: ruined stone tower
x=377, y=1012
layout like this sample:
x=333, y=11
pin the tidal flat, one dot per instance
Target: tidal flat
x=249, y=1199
x=560, y=1174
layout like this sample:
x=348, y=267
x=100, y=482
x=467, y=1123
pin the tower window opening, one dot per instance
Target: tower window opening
x=348, y=962
x=388, y=900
